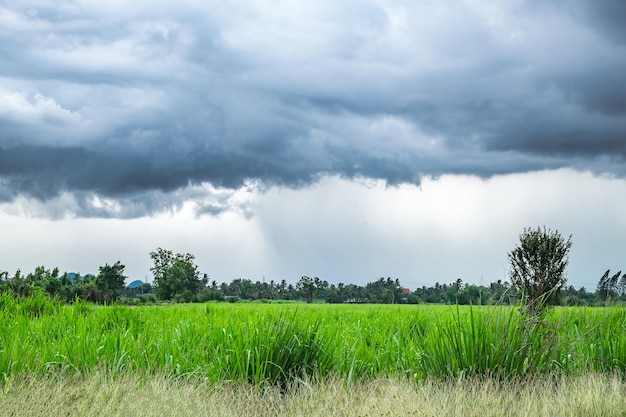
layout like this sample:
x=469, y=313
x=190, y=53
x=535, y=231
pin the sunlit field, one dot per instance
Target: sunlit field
x=288, y=348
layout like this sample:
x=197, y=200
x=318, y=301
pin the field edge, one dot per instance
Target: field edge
x=586, y=395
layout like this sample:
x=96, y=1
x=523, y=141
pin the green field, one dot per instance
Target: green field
x=280, y=343
x=307, y=359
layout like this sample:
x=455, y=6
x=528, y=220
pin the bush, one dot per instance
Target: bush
x=538, y=267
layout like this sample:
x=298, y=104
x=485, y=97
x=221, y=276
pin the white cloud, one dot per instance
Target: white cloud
x=19, y=108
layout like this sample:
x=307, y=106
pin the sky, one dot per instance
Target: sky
x=346, y=140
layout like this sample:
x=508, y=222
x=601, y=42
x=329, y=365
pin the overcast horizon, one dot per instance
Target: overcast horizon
x=346, y=140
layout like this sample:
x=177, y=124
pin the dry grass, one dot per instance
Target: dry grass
x=590, y=395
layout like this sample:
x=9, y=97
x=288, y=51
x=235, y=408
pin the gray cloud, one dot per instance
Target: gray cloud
x=139, y=103
x=607, y=16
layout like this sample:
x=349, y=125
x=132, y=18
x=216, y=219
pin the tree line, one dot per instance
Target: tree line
x=537, y=273
x=177, y=279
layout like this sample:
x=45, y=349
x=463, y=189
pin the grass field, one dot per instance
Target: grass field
x=269, y=343
x=589, y=395
x=341, y=351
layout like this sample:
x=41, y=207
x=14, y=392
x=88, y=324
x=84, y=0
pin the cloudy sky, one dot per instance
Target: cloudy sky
x=342, y=139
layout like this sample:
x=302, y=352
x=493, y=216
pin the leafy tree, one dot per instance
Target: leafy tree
x=308, y=287
x=111, y=281
x=538, y=265
x=46, y=279
x=241, y=288
x=290, y=293
x=210, y=294
x=569, y=296
x=499, y=292
x=175, y=275
x=19, y=286
x=87, y=290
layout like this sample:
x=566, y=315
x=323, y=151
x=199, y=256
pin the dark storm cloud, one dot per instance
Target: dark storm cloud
x=137, y=103
x=607, y=16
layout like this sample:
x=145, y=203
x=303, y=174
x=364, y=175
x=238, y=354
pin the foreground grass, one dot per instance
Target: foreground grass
x=260, y=343
x=587, y=395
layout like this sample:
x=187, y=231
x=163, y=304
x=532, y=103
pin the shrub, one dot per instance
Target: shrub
x=538, y=267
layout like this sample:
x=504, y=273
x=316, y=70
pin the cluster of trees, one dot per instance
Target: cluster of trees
x=612, y=287
x=177, y=279
x=537, y=266
x=106, y=287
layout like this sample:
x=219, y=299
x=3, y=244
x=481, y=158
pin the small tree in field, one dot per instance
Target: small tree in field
x=537, y=266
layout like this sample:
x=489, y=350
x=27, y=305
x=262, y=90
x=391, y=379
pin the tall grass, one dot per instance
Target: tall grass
x=597, y=338
x=278, y=344
x=496, y=343
x=273, y=351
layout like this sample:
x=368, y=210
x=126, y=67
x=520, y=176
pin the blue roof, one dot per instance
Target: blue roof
x=135, y=284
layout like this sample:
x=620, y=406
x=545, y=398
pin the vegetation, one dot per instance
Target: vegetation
x=175, y=275
x=110, y=281
x=278, y=344
x=309, y=357
x=537, y=278
x=611, y=287
x=68, y=287
x=591, y=395
x=538, y=265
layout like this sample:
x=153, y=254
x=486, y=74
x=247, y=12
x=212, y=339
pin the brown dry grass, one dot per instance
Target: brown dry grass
x=585, y=396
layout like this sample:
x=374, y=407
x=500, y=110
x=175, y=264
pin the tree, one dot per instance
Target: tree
x=175, y=275
x=384, y=291
x=308, y=287
x=18, y=285
x=111, y=281
x=621, y=287
x=537, y=266
x=610, y=287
